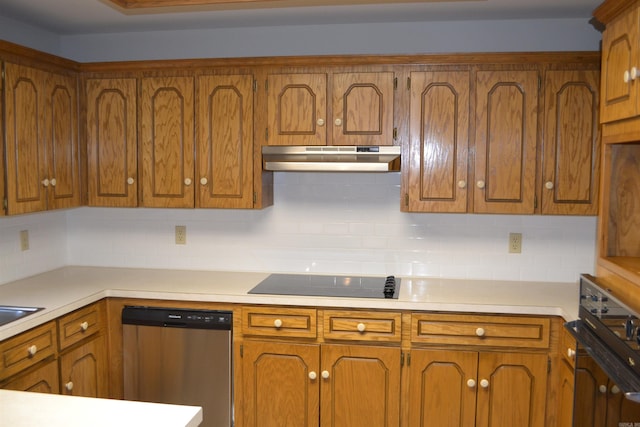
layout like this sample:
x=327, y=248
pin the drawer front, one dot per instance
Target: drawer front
x=362, y=325
x=479, y=330
x=27, y=349
x=78, y=325
x=279, y=322
x=568, y=347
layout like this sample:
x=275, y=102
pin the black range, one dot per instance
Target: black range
x=329, y=286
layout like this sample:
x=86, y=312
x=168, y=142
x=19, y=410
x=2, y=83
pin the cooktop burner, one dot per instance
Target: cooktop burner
x=329, y=286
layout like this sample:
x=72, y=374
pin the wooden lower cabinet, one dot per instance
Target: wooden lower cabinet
x=297, y=385
x=565, y=395
x=43, y=379
x=482, y=389
x=83, y=369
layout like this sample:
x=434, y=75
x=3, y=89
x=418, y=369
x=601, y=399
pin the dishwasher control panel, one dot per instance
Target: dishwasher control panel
x=177, y=318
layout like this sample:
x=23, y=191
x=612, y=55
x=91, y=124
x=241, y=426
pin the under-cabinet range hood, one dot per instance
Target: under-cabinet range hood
x=331, y=158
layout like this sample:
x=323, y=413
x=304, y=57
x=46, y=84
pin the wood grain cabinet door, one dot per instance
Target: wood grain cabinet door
x=506, y=141
x=442, y=388
x=167, y=142
x=225, y=141
x=360, y=386
x=42, y=380
x=515, y=390
x=297, y=109
x=83, y=370
x=439, y=140
x=112, y=142
x=281, y=384
x=25, y=139
x=362, y=106
x=620, y=55
x=61, y=124
x=571, y=154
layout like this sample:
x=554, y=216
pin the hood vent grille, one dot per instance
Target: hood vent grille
x=331, y=158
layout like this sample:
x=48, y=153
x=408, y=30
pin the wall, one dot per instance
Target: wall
x=27, y=35
x=375, y=38
x=47, y=242
x=335, y=223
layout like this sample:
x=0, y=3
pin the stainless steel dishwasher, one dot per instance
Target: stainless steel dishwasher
x=180, y=356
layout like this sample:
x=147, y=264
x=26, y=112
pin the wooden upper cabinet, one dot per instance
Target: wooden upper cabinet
x=225, y=141
x=25, y=145
x=362, y=108
x=506, y=141
x=41, y=140
x=61, y=124
x=167, y=142
x=571, y=157
x=621, y=67
x=112, y=142
x=438, y=142
x=297, y=109
x=359, y=110
x=3, y=195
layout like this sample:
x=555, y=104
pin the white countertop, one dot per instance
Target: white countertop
x=25, y=409
x=63, y=290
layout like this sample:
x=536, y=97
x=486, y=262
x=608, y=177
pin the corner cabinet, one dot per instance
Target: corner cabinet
x=112, y=145
x=42, y=152
x=326, y=107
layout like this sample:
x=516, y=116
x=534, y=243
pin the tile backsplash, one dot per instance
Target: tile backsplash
x=337, y=223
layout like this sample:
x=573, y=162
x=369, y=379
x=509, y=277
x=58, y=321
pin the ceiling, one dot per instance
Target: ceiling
x=73, y=17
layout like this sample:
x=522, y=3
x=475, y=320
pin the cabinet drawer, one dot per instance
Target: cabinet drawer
x=78, y=325
x=27, y=349
x=362, y=325
x=492, y=331
x=568, y=347
x=279, y=322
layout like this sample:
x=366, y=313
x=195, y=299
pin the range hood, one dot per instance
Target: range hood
x=331, y=158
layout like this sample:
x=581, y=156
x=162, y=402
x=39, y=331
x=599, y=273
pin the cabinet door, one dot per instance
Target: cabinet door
x=620, y=410
x=505, y=143
x=3, y=195
x=83, y=370
x=43, y=380
x=591, y=401
x=442, y=389
x=362, y=108
x=297, y=109
x=362, y=388
x=277, y=387
x=167, y=141
x=112, y=142
x=571, y=158
x=61, y=124
x=439, y=127
x=565, y=395
x=620, y=53
x=225, y=141
x=25, y=139
x=515, y=391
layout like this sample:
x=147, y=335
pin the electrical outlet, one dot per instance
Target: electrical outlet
x=515, y=243
x=24, y=240
x=181, y=234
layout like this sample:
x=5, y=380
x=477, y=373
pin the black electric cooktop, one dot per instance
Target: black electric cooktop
x=329, y=286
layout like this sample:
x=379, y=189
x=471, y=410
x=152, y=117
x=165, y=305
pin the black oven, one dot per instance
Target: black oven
x=607, y=369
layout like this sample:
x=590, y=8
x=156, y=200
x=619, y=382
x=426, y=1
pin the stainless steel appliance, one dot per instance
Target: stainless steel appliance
x=331, y=158
x=607, y=373
x=329, y=286
x=180, y=356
